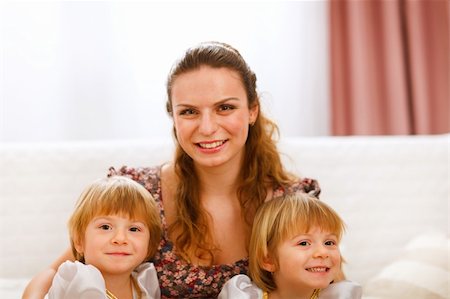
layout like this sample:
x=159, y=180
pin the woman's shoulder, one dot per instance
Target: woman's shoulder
x=240, y=287
x=149, y=177
x=136, y=173
x=306, y=185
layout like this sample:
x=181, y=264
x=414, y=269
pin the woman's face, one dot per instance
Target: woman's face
x=211, y=115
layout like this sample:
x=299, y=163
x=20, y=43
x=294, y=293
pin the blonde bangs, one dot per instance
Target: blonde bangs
x=116, y=201
x=116, y=196
x=301, y=216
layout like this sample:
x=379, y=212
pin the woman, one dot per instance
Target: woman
x=226, y=165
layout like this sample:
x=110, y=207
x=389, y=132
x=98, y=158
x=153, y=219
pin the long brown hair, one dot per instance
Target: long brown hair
x=263, y=167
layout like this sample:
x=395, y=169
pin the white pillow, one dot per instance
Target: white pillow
x=422, y=272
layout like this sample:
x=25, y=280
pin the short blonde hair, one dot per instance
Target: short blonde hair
x=115, y=195
x=282, y=218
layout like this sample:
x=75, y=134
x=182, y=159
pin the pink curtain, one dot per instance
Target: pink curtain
x=389, y=67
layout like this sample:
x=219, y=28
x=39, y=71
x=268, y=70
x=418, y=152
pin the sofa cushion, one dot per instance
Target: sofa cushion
x=421, y=272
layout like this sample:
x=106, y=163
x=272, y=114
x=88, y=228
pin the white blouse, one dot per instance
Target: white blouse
x=77, y=280
x=241, y=287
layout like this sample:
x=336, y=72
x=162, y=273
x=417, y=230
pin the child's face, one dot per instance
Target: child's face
x=307, y=261
x=115, y=244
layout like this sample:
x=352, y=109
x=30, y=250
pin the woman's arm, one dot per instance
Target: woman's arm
x=38, y=287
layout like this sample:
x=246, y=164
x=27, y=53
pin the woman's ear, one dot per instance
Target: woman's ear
x=269, y=264
x=253, y=114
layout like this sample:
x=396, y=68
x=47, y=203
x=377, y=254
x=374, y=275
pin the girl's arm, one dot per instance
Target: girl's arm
x=38, y=287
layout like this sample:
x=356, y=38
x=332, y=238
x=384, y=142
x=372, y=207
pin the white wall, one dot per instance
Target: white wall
x=96, y=70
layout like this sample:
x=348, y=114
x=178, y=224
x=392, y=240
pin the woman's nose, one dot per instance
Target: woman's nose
x=208, y=124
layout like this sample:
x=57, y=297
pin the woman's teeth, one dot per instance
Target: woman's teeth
x=211, y=144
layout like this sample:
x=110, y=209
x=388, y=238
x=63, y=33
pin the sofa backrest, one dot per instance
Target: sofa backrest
x=39, y=185
x=387, y=189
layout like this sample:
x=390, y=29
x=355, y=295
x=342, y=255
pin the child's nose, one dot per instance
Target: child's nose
x=120, y=237
x=321, y=252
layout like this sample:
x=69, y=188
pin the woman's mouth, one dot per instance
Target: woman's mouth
x=211, y=145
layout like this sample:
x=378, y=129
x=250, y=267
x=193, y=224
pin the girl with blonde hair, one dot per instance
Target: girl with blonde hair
x=294, y=253
x=114, y=229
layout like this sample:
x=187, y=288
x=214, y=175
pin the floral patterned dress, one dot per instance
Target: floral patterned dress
x=177, y=277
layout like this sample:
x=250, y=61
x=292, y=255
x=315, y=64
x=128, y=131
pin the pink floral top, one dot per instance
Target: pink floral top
x=177, y=277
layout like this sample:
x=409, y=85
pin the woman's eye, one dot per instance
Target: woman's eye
x=105, y=227
x=188, y=111
x=226, y=107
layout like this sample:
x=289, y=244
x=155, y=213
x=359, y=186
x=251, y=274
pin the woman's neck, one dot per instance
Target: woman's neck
x=218, y=180
x=120, y=286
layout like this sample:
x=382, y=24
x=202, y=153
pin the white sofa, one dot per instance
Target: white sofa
x=392, y=192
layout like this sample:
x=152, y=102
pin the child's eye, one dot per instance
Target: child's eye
x=330, y=243
x=135, y=229
x=105, y=227
x=303, y=243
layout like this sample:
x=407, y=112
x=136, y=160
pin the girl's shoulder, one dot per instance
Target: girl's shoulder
x=344, y=289
x=75, y=280
x=240, y=287
x=147, y=280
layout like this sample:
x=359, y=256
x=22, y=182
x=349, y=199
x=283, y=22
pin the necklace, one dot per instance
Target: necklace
x=134, y=286
x=315, y=294
x=110, y=295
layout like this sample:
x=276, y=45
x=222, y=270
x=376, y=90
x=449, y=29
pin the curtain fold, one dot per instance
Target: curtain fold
x=389, y=67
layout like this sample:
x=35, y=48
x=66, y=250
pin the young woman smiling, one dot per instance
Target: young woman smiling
x=226, y=164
